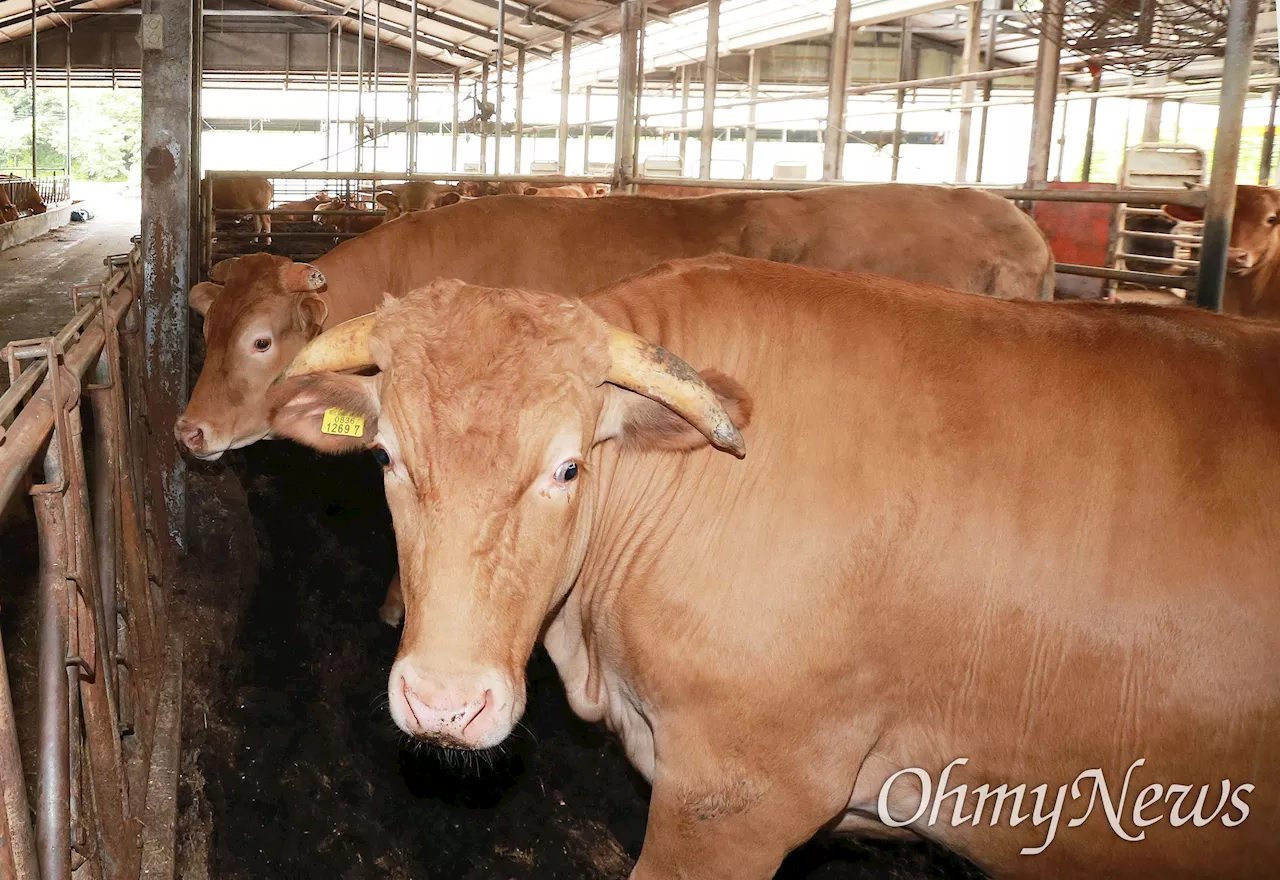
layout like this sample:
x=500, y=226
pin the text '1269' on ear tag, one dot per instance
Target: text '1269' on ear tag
x=341, y=422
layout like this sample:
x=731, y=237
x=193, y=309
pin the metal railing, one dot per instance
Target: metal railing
x=101, y=640
x=53, y=190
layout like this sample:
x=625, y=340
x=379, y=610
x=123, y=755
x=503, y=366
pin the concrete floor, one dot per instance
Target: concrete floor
x=36, y=277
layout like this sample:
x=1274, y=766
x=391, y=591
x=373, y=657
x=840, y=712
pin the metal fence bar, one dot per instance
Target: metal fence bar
x=98, y=670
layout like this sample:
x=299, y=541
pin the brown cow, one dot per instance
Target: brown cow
x=897, y=614
x=965, y=239
x=416, y=195
x=8, y=210
x=303, y=210
x=1252, y=287
x=567, y=191
x=22, y=195
x=248, y=194
x=357, y=223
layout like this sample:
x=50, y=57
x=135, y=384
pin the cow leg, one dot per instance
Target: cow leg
x=266, y=225
x=392, y=610
x=732, y=830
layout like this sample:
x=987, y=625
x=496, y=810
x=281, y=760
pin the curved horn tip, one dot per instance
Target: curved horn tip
x=729, y=438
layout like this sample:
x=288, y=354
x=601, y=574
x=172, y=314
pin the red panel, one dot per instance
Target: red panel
x=1077, y=231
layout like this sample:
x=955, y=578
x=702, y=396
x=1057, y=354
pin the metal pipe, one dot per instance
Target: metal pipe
x=1182, y=282
x=988, y=64
x=641, y=15
x=837, y=82
x=377, y=81
x=628, y=65
x=1151, y=122
x=360, y=91
x=1046, y=92
x=684, y=112
x=68, y=99
x=586, y=132
x=35, y=70
x=484, y=124
x=337, y=104
x=18, y=850
x=53, y=791
x=753, y=88
x=328, y=99
x=1061, y=139
x=972, y=40
x=519, y=134
x=1093, y=122
x=710, y=77
x=411, y=130
x=904, y=72
x=457, y=97
x=497, y=96
x=1268, y=141
x=1242, y=22
x=566, y=53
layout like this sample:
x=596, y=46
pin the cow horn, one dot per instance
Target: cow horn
x=645, y=368
x=302, y=276
x=344, y=347
x=219, y=270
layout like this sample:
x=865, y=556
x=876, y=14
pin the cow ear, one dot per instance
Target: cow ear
x=644, y=424
x=449, y=198
x=203, y=295
x=330, y=412
x=387, y=200
x=531, y=190
x=310, y=314
x=1185, y=213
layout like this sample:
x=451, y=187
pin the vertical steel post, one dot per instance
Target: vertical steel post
x=484, y=125
x=753, y=89
x=53, y=751
x=972, y=40
x=1242, y=23
x=457, y=97
x=640, y=15
x=905, y=64
x=1093, y=122
x=1268, y=141
x=1155, y=108
x=360, y=91
x=837, y=82
x=989, y=63
x=18, y=851
x=518, y=144
x=35, y=168
x=586, y=131
x=167, y=74
x=1046, y=92
x=624, y=137
x=377, y=80
x=411, y=114
x=710, y=78
x=497, y=94
x=68, y=102
x=337, y=105
x=566, y=52
x=328, y=99
x=684, y=113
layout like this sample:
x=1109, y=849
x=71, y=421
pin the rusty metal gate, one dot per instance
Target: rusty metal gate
x=72, y=435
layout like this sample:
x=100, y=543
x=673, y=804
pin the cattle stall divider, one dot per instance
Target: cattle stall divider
x=353, y=181
x=72, y=435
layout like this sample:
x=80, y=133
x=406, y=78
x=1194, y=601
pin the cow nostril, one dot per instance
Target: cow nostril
x=194, y=438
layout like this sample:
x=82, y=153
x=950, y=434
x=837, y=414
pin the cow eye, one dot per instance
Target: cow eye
x=262, y=343
x=380, y=455
x=1273, y=219
x=567, y=472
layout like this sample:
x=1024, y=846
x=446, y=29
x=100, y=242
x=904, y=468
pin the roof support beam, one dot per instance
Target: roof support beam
x=349, y=16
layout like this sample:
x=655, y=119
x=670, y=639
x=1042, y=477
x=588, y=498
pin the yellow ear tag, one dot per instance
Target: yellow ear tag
x=341, y=422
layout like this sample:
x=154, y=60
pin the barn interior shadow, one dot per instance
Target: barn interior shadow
x=292, y=766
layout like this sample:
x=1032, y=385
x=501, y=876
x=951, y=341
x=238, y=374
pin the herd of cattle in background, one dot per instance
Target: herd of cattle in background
x=18, y=198
x=794, y=517
x=1252, y=286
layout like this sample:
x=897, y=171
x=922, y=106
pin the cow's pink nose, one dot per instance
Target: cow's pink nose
x=460, y=716
x=1238, y=258
x=190, y=435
